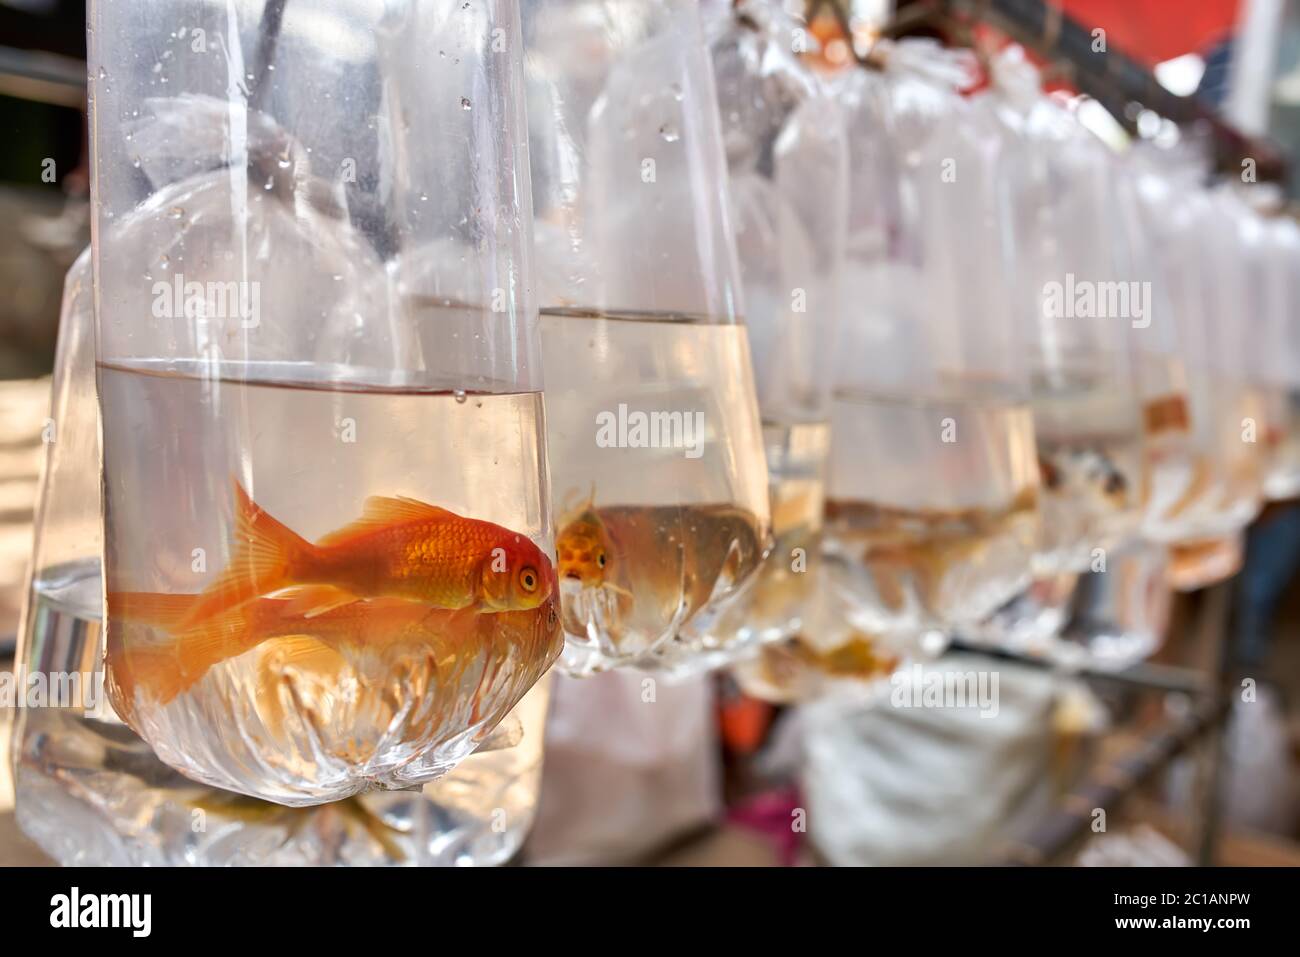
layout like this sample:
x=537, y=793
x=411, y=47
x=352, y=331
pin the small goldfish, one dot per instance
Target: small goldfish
x=588, y=552
x=1082, y=470
x=584, y=548
x=399, y=548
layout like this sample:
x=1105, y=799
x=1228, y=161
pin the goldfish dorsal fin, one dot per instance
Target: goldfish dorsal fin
x=574, y=512
x=381, y=512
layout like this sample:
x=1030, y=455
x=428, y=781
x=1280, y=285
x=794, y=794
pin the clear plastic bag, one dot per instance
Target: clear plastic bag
x=656, y=450
x=1200, y=507
x=1277, y=279
x=91, y=792
x=788, y=159
x=1069, y=291
x=930, y=371
x=327, y=528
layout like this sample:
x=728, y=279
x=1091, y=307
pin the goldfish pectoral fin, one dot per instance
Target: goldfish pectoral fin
x=302, y=652
x=311, y=601
x=463, y=619
x=617, y=589
x=381, y=512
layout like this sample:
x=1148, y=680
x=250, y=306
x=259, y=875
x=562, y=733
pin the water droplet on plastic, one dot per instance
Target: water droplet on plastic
x=176, y=212
x=464, y=103
x=337, y=277
x=270, y=184
x=103, y=74
x=165, y=261
x=424, y=197
x=460, y=396
x=669, y=133
x=676, y=91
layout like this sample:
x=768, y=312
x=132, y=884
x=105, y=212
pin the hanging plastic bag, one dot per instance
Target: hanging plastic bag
x=656, y=450
x=1086, y=402
x=1199, y=509
x=783, y=133
x=327, y=534
x=929, y=373
x=91, y=792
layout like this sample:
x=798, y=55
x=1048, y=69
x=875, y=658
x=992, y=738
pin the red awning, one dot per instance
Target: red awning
x=1152, y=31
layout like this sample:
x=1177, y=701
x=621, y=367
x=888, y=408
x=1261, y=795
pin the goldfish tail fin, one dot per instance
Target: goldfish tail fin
x=150, y=608
x=267, y=554
x=166, y=668
x=152, y=669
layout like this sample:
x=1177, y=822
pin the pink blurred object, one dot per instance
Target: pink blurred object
x=772, y=816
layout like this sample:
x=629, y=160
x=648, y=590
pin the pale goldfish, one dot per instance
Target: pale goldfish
x=584, y=549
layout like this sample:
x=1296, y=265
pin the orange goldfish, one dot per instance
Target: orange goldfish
x=344, y=632
x=399, y=548
x=173, y=666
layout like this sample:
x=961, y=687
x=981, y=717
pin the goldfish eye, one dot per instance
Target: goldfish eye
x=528, y=579
x=600, y=559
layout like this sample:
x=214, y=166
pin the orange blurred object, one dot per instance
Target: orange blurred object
x=744, y=722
